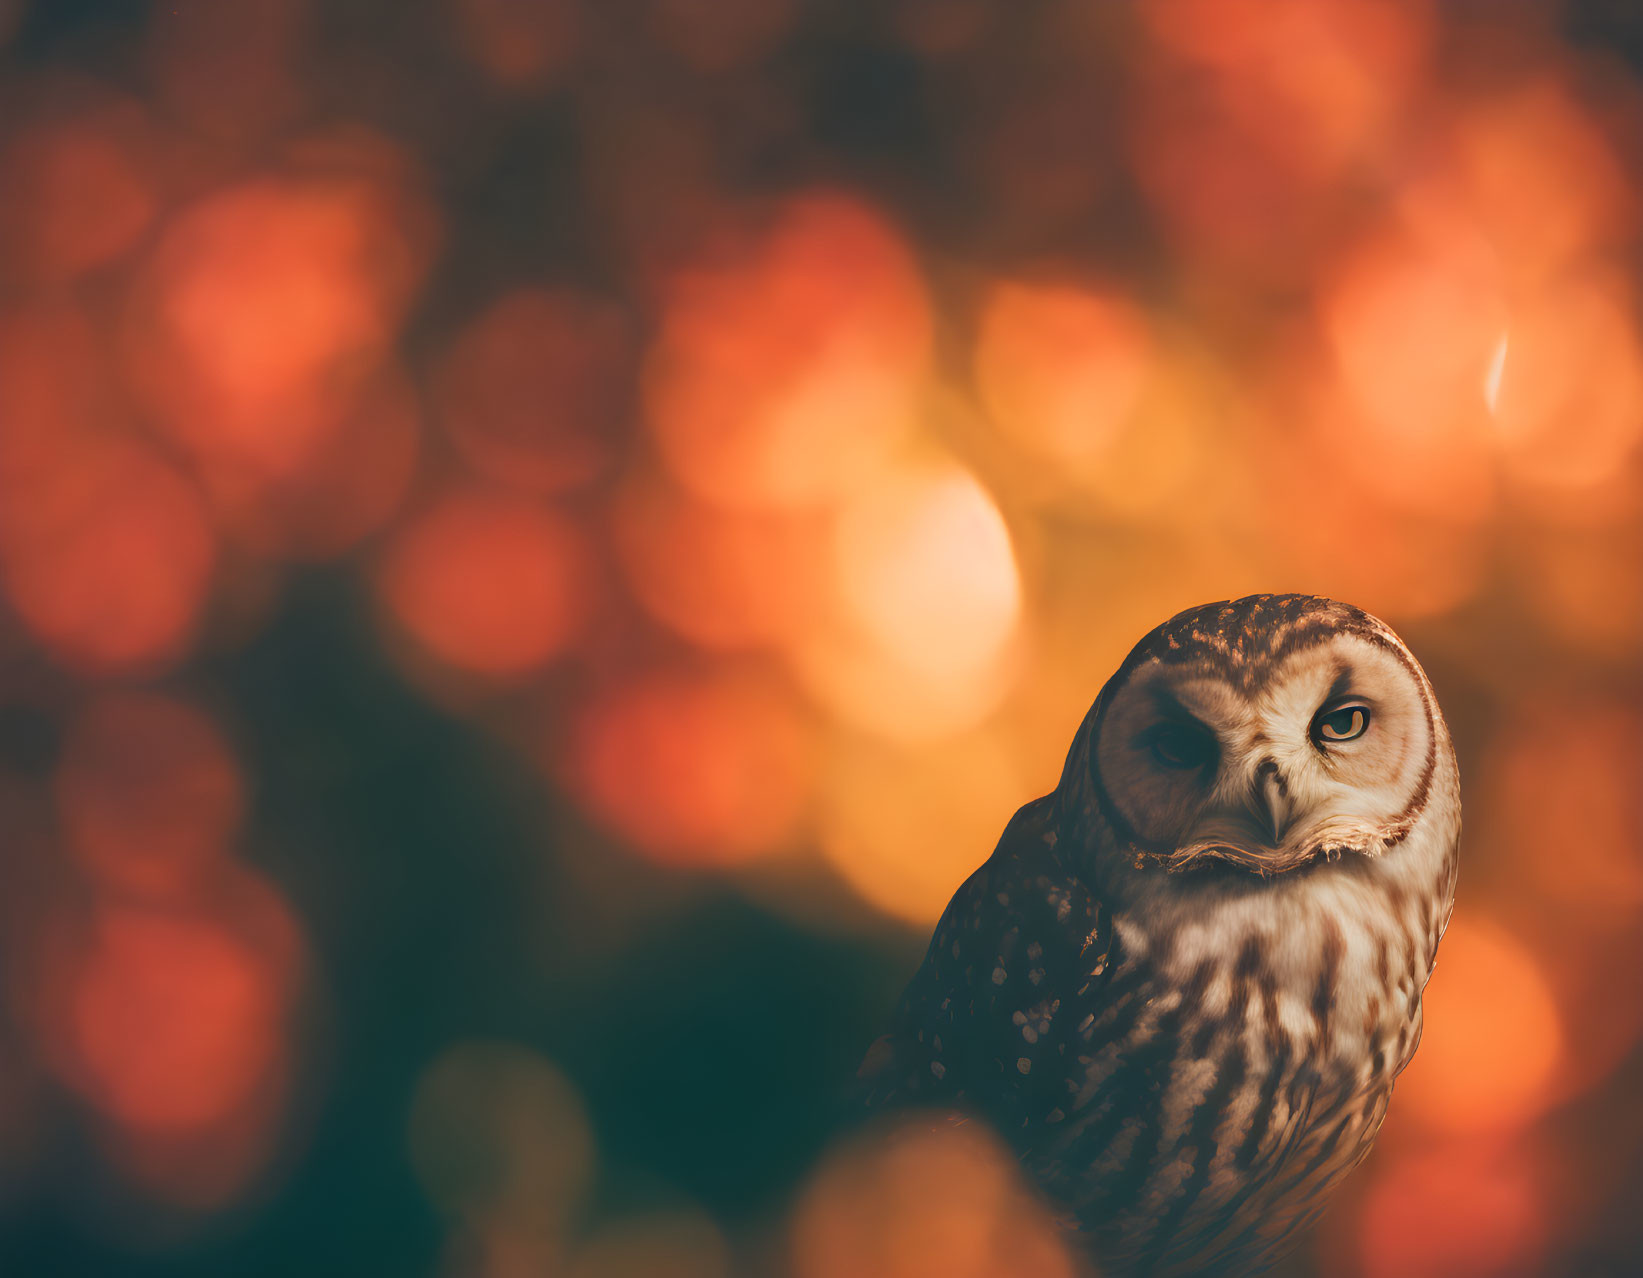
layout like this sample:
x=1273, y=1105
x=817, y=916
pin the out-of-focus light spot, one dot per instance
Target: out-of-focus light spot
x=265, y=309
x=787, y=362
x=723, y=577
x=1492, y=1040
x=934, y=1196
x=1317, y=80
x=1561, y=805
x=693, y=768
x=105, y=551
x=348, y=488
x=926, y=569
x=1571, y=418
x=75, y=191
x=1497, y=368
x=1459, y=1211
x=674, y=1244
x=107, y=556
x=1060, y=368
x=500, y=1140
x=521, y=44
x=1413, y=319
x=1392, y=560
x=906, y=828
x=533, y=391
x=925, y=605
x=171, y=1024
x=489, y=582
x=148, y=792
x=1558, y=804
x=1534, y=168
x=716, y=35
x=228, y=71
x=1239, y=150
x=176, y=1019
x=1585, y=585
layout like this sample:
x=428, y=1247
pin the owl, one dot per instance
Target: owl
x=1185, y=982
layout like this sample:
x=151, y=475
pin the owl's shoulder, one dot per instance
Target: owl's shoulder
x=1021, y=941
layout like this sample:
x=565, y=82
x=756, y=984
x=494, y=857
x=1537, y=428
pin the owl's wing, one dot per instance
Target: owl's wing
x=1017, y=964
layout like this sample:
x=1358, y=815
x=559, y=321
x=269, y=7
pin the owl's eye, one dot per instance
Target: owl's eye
x=1180, y=746
x=1341, y=723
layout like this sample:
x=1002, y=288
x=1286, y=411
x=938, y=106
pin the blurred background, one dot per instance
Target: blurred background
x=540, y=540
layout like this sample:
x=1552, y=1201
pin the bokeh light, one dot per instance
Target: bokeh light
x=692, y=767
x=77, y=188
x=721, y=576
x=924, y=604
x=933, y=1197
x=1493, y=1038
x=172, y=1022
x=500, y=1141
x=1061, y=368
x=267, y=304
x=488, y=582
x=906, y=827
x=789, y=356
x=1461, y=1210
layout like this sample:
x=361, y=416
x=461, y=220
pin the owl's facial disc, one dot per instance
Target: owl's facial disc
x=1321, y=757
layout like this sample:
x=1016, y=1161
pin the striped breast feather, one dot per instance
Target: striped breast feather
x=989, y=1024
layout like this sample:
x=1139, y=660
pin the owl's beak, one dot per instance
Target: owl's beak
x=1269, y=804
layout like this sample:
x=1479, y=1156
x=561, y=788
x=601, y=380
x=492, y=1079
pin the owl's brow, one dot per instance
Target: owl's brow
x=1342, y=685
x=1171, y=707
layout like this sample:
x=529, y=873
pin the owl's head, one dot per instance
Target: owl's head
x=1267, y=733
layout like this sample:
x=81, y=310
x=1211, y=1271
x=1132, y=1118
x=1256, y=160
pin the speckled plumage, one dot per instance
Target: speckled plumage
x=1186, y=1019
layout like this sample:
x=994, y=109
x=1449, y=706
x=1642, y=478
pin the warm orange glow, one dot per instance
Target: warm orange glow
x=1459, y=1211
x=106, y=555
x=170, y=1021
x=488, y=582
x=1314, y=79
x=1569, y=415
x=1561, y=804
x=932, y=1198
x=1247, y=128
x=1586, y=586
x=723, y=577
x=175, y=1019
x=148, y=792
x=693, y=768
x=105, y=552
x=1059, y=368
x=1493, y=1039
x=906, y=828
x=1534, y=166
x=1413, y=319
x=1394, y=562
x=264, y=309
x=788, y=361
x=533, y=392
x=924, y=605
x=76, y=191
x=350, y=487
x=523, y=44
x=500, y=1139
